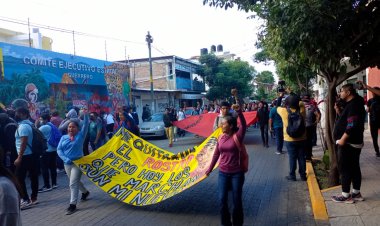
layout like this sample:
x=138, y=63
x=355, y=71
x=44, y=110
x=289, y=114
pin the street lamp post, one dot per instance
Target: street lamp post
x=149, y=40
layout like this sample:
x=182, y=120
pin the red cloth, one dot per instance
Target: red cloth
x=202, y=124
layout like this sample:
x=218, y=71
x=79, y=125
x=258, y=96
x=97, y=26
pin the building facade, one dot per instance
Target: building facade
x=175, y=83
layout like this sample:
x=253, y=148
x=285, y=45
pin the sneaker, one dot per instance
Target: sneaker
x=170, y=145
x=291, y=178
x=25, y=204
x=342, y=199
x=72, y=208
x=55, y=186
x=278, y=153
x=357, y=197
x=35, y=201
x=85, y=196
x=44, y=189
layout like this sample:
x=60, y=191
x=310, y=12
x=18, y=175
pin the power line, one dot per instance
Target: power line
x=63, y=30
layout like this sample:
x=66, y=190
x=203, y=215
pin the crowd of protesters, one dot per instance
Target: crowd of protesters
x=66, y=140
x=81, y=132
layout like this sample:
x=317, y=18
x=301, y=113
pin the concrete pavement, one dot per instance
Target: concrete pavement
x=361, y=213
x=268, y=198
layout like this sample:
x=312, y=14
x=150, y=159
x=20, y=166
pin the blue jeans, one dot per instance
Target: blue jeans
x=279, y=138
x=296, y=152
x=234, y=181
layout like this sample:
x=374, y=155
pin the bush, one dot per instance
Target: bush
x=326, y=160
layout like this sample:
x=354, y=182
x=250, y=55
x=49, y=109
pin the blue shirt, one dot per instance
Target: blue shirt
x=70, y=150
x=46, y=131
x=276, y=118
x=24, y=130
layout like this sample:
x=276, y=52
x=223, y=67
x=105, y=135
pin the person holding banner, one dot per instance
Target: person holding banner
x=231, y=172
x=70, y=148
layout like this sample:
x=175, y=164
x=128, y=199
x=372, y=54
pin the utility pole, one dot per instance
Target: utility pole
x=149, y=40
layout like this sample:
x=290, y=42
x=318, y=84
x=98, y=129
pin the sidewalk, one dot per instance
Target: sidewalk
x=359, y=213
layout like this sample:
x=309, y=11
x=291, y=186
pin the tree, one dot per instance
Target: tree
x=222, y=76
x=265, y=83
x=336, y=39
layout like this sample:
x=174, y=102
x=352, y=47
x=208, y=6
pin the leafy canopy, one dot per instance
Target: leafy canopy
x=221, y=76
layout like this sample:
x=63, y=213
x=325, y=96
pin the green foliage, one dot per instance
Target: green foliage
x=326, y=159
x=265, y=85
x=222, y=76
x=315, y=35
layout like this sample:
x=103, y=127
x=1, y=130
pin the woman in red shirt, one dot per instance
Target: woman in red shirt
x=231, y=171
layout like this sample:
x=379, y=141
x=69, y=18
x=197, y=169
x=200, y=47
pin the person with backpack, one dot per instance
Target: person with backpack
x=293, y=119
x=70, y=148
x=48, y=159
x=373, y=108
x=8, y=127
x=26, y=162
x=233, y=163
x=311, y=121
x=275, y=123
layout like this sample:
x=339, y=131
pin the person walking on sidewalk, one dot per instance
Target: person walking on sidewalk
x=373, y=105
x=348, y=133
x=70, y=148
x=26, y=162
x=275, y=123
x=231, y=172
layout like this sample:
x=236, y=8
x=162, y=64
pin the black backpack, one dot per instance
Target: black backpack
x=296, y=124
x=39, y=142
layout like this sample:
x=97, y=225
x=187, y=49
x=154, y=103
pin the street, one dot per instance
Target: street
x=268, y=198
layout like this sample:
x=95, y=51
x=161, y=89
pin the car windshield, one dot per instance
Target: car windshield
x=156, y=118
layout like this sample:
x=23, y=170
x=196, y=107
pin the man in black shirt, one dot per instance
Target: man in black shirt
x=263, y=116
x=373, y=105
x=348, y=133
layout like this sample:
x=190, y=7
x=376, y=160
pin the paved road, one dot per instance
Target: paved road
x=269, y=199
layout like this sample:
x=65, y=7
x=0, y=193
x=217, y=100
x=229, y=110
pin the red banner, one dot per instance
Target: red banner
x=202, y=124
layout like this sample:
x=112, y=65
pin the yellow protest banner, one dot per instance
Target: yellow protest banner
x=139, y=173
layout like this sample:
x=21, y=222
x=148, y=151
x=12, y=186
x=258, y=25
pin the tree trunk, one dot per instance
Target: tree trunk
x=330, y=121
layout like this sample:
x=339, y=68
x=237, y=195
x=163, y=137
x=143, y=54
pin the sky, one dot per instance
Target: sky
x=117, y=28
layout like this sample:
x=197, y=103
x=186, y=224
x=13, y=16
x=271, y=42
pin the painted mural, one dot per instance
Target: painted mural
x=43, y=80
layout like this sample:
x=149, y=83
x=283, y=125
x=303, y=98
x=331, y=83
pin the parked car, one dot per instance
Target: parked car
x=153, y=127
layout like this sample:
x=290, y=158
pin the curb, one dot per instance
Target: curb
x=317, y=200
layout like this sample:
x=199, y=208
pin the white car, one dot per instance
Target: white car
x=153, y=127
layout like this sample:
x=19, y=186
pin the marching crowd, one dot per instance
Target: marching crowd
x=292, y=120
x=48, y=146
